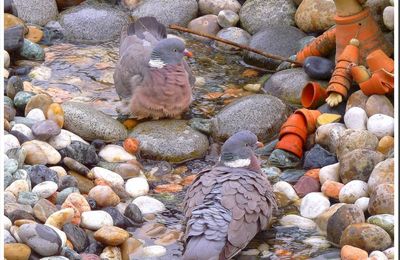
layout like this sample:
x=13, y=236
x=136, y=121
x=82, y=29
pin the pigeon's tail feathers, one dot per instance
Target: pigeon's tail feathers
x=200, y=248
x=147, y=24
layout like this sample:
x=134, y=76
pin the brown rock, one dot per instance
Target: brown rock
x=366, y=236
x=355, y=139
x=386, y=144
x=111, y=236
x=11, y=21
x=305, y=185
x=382, y=200
x=43, y=209
x=332, y=189
x=358, y=164
x=41, y=101
x=21, y=222
x=84, y=184
x=34, y=34
x=353, y=253
x=16, y=251
x=56, y=113
x=205, y=24
x=379, y=104
x=315, y=15
x=59, y=218
x=78, y=203
x=346, y=215
x=357, y=99
x=104, y=196
x=382, y=173
x=130, y=247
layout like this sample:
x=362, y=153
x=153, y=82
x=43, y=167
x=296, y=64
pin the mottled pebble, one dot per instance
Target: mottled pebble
x=16, y=251
x=382, y=173
x=111, y=253
x=78, y=203
x=77, y=236
x=24, y=130
x=43, y=209
x=45, y=189
x=59, y=218
x=17, y=187
x=385, y=221
x=42, y=239
x=362, y=203
x=382, y=200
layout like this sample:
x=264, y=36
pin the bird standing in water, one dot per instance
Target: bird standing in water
x=151, y=77
x=227, y=206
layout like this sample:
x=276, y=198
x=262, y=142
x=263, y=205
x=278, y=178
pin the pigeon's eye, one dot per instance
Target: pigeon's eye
x=175, y=50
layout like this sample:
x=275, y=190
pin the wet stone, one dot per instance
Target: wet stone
x=318, y=67
x=133, y=212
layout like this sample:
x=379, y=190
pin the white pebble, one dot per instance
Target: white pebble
x=154, y=251
x=388, y=17
x=53, y=156
x=61, y=172
x=352, y=191
x=36, y=114
x=381, y=125
x=356, y=118
x=362, y=203
x=17, y=187
x=6, y=222
x=286, y=189
x=23, y=129
x=74, y=137
x=148, y=205
x=60, y=141
x=313, y=204
x=115, y=153
x=390, y=252
x=109, y=176
x=298, y=221
x=96, y=219
x=6, y=59
x=329, y=172
x=45, y=189
x=378, y=255
x=137, y=186
x=10, y=142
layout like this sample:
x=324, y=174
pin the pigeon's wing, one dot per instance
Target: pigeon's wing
x=197, y=191
x=249, y=197
x=132, y=65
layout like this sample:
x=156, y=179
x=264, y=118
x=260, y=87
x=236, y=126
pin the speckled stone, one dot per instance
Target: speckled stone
x=42, y=239
x=40, y=173
x=315, y=16
x=341, y=219
x=382, y=200
x=382, y=173
x=356, y=139
x=366, y=236
x=81, y=152
x=91, y=124
x=22, y=98
x=46, y=129
x=385, y=221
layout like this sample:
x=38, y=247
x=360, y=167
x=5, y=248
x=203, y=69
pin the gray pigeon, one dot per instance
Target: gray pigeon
x=151, y=77
x=228, y=205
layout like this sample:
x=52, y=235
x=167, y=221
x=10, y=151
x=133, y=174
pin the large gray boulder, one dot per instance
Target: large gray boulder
x=279, y=40
x=91, y=124
x=261, y=114
x=37, y=12
x=257, y=14
x=168, y=12
x=171, y=140
x=93, y=23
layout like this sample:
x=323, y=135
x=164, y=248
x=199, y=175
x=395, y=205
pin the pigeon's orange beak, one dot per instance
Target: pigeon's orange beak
x=259, y=144
x=188, y=53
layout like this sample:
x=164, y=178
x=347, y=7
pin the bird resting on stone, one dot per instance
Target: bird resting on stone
x=151, y=77
x=226, y=206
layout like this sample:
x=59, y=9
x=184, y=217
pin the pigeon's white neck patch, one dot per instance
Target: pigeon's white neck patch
x=156, y=63
x=238, y=163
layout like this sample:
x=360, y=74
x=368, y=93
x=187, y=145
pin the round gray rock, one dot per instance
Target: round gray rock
x=261, y=114
x=90, y=124
x=170, y=140
x=93, y=23
x=168, y=12
x=42, y=239
x=257, y=14
x=278, y=40
x=215, y=6
x=288, y=85
x=37, y=12
x=233, y=34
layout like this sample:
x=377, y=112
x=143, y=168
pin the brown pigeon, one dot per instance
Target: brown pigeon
x=228, y=205
x=151, y=77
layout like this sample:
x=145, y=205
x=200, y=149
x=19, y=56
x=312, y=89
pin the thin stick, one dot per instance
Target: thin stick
x=265, y=54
